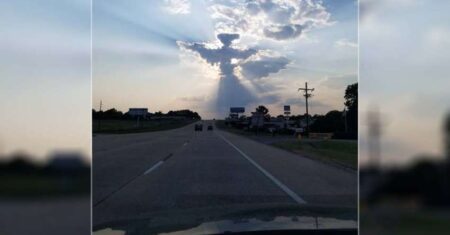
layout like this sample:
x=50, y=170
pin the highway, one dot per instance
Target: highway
x=138, y=175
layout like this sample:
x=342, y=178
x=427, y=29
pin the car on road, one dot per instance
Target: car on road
x=198, y=127
x=210, y=128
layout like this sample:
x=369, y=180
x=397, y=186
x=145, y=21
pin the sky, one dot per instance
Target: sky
x=404, y=54
x=45, y=88
x=208, y=56
x=163, y=55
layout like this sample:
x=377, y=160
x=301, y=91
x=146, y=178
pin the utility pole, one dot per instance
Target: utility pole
x=306, y=95
x=99, y=117
x=344, y=113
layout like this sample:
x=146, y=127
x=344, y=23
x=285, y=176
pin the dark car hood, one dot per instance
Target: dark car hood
x=244, y=220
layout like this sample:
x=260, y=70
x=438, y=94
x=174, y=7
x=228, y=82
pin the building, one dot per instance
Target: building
x=138, y=112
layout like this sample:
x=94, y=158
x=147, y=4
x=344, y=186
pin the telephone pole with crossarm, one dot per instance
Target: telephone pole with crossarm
x=307, y=95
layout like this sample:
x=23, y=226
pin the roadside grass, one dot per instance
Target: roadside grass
x=344, y=152
x=400, y=221
x=130, y=126
x=39, y=185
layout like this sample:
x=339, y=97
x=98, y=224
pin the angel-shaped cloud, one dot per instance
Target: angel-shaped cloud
x=236, y=64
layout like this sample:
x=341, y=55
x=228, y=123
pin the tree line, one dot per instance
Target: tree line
x=116, y=114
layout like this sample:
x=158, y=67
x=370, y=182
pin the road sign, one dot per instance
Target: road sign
x=287, y=110
x=237, y=110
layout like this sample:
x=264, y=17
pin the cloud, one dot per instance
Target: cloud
x=177, y=6
x=262, y=66
x=236, y=66
x=301, y=102
x=192, y=99
x=346, y=43
x=248, y=63
x=224, y=56
x=226, y=39
x=277, y=20
x=340, y=81
x=283, y=32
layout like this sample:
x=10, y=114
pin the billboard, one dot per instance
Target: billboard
x=137, y=111
x=287, y=109
x=237, y=110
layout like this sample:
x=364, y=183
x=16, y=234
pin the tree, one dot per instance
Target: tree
x=262, y=109
x=112, y=114
x=184, y=113
x=351, y=101
x=351, y=96
x=330, y=122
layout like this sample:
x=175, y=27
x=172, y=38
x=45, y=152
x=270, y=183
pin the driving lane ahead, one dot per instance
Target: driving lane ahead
x=135, y=176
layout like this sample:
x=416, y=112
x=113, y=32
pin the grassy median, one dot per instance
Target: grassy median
x=344, y=152
x=132, y=126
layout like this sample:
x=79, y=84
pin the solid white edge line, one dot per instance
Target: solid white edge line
x=153, y=167
x=283, y=187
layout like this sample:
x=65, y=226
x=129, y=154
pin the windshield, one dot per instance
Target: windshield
x=201, y=115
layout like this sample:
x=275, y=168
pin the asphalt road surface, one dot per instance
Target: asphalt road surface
x=49, y=216
x=136, y=175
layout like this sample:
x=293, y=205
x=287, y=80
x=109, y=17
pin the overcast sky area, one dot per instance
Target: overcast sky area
x=404, y=55
x=167, y=55
x=45, y=77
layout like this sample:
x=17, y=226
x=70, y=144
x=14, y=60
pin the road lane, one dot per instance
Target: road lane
x=204, y=171
x=314, y=181
x=282, y=186
x=120, y=158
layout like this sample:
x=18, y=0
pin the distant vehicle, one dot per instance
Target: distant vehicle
x=198, y=127
x=210, y=128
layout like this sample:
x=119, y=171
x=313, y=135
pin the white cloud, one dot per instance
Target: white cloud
x=274, y=19
x=178, y=6
x=193, y=99
x=341, y=81
x=346, y=43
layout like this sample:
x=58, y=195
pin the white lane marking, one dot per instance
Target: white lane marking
x=153, y=167
x=283, y=187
